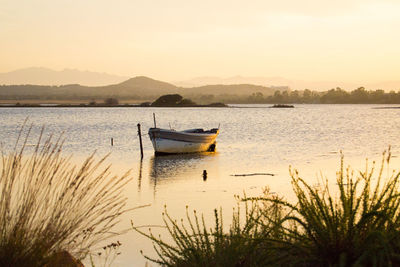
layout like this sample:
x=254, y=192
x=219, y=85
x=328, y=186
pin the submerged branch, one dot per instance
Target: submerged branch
x=253, y=174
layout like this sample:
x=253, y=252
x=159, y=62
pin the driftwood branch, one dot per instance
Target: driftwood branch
x=254, y=174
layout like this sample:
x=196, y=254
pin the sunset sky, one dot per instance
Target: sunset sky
x=315, y=40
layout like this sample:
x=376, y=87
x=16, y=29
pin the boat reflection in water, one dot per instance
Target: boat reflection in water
x=175, y=167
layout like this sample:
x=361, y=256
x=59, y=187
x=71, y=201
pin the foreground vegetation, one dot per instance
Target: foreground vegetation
x=354, y=223
x=49, y=207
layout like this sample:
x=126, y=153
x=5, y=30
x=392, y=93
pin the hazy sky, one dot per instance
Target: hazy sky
x=342, y=40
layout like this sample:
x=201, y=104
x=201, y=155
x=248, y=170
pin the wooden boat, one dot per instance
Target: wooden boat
x=189, y=141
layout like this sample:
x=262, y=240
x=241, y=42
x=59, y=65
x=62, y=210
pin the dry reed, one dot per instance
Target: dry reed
x=48, y=205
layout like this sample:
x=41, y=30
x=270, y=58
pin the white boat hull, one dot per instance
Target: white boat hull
x=168, y=146
x=189, y=141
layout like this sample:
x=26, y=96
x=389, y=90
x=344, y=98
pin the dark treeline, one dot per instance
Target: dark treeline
x=333, y=96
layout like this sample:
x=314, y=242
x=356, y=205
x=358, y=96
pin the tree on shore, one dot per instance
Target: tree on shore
x=111, y=101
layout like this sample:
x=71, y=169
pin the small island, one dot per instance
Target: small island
x=176, y=100
x=282, y=106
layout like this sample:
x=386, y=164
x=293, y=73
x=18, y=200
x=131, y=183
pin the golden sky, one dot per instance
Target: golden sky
x=315, y=40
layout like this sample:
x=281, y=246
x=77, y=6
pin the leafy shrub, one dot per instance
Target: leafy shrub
x=197, y=245
x=356, y=223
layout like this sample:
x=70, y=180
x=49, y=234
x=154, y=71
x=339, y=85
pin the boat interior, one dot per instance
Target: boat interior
x=200, y=130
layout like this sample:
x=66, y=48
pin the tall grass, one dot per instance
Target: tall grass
x=48, y=205
x=354, y=223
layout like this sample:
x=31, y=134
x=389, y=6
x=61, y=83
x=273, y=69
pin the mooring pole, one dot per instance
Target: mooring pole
x=112, y=141
x=154, y=118
x=140, y=140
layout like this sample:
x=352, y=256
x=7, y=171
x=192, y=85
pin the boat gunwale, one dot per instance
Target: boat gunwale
x=206, y=137
x=205, y=133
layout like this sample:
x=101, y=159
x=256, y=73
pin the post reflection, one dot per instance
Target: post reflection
x=140, y=175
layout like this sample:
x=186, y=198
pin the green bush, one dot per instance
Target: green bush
x=355, y=223
x=197, y=245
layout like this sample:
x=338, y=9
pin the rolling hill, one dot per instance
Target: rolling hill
x=135, y=88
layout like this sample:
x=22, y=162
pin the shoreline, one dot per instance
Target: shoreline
x=105, y=106
x=135, y=105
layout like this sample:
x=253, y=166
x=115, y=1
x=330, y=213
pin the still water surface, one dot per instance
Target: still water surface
x=253, y=139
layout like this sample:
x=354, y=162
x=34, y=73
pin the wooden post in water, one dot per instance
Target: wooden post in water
x=154, y=118
x=204, y=175
x=140, y=140
x=112, y=141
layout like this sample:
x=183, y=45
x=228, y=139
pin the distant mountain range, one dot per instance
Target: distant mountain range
x=86, y=83
x=207, y=80
x=45, y=76
x=292, y=84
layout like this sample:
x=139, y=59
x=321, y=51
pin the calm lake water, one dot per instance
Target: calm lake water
x=253, y=139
